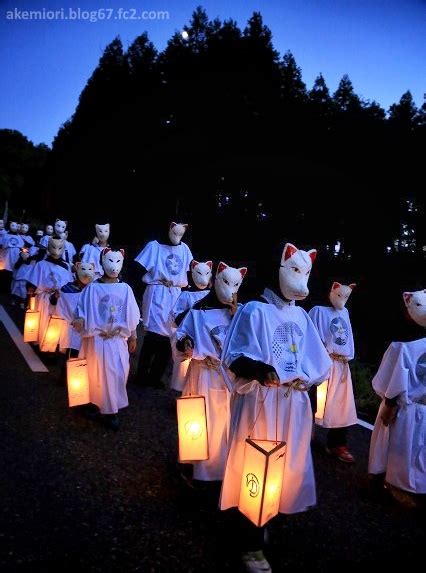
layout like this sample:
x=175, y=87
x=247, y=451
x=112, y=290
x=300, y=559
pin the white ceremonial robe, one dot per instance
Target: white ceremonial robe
x=208, y=329
x=66, y=308
x=283, y=336
x=335, y=330
x=185, y=301
x=92, y=254
x=399, y=450
x=111, y=314
x=47, y=277
x=167, y=262
x=12, y=244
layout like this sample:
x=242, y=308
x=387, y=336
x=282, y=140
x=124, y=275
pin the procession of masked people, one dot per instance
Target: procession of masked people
x=251, y=380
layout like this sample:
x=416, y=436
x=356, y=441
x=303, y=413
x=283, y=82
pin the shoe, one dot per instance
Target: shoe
x=256, y=562
x=112, y=422
x=342, y=453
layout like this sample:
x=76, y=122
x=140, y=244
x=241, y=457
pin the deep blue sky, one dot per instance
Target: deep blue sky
x=381, y=44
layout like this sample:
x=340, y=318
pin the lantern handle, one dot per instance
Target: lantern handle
x=258, y=413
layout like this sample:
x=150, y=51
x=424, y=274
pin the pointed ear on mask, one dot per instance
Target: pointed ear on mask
x=352, y=286
x=106, y=251
x=221, y=267
x=122, y=252
x=185, y=225
x=209, y=264
x=172, y=224
x=335, y=285
x=312, y=254
x=78, y=264
x=194, y=263
x=289, y=250
x=407, y=297
x=243, y=271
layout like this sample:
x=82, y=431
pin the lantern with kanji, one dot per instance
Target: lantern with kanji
x=78, y=382
x=192, y=428
x=52, y=334
x=31, y=325
x=322, y=391
x=261, y=479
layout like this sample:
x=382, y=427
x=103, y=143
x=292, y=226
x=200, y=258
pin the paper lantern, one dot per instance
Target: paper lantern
x=31, y=325
x=192, y=428
x=322, y=391
x=52, y=334
x=2, y=260
x=31, y=302
x=78, y=382
x=261, y=480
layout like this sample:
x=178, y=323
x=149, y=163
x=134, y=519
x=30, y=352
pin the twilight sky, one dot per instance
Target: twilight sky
x=45, y=64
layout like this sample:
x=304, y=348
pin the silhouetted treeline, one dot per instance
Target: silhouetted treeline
x=220, y=131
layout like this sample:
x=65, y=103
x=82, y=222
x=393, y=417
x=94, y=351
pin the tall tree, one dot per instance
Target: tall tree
x=345, y=97
x=403, y=114
x=293, y=88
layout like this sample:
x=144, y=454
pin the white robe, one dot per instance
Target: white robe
x=399, y=450
x=335, y=330
x=92, y=254
x=12, y=244
x=168, y=262
x=66, y=308
x=107, y=308
x=185, y=301
x=283, y=336
x=47, y=277
x=208, y=329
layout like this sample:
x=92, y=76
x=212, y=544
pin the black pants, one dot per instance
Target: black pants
x=153, y=359
x=337, y=437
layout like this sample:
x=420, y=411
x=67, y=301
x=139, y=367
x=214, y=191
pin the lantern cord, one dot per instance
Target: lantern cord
x=258, y=413
x=276, y=415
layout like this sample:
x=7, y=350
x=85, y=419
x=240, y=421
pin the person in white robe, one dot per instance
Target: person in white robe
x=163, y=266
x=48, y=232
x=66, y=300
x=276, y=354
x=335, y=330
x=200, y=277
x=12, y=243
x=91, y=252
x=23, y=267
x=398, y=441
x=108, y=315
x=45, y=277
x=202, y=335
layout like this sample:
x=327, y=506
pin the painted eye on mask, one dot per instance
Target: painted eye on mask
x=226, y=282
x=295, y=269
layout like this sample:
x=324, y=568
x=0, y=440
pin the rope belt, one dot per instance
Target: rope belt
x=106, y=334
x=209, y=362
x=297, y=384
x=339, y=358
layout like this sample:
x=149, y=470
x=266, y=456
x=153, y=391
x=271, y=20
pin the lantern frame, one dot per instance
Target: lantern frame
x=324, y=386
x=32, y=302
x=48, y=345
x=31, y=335
x=263, y=513
x=78, y=397
x=186, y=454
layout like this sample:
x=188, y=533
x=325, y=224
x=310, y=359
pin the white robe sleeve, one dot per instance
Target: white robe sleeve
x=391, y=379
x=148, y=256
x=316, y=362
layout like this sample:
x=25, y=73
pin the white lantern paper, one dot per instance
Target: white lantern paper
x=52, y=334
x=78, y=382
x=31, y=325
x=192, y=429
x=261, y=480
x=322, y=391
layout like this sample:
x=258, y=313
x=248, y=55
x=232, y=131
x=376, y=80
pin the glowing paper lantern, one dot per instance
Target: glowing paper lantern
x=31, y=325
x=52, y=334
x=192, y=428
x=261, y=480
x=31, y=302
x=322, y=391
x=78, y=382
x=2, y=260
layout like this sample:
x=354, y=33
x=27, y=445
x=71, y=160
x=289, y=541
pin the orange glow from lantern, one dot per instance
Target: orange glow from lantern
x=2, y=263
x=31, y=325
x=322, y=391
x=52, y=334
x=261, y=480
x=78, y=382
x=31, y=303
x=192, y=428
